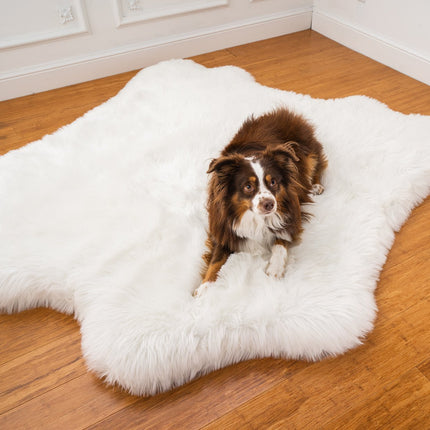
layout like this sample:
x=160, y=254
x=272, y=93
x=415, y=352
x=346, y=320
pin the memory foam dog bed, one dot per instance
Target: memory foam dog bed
x=106, y=219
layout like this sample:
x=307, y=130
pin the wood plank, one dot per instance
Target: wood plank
x=39, y=370
x=22, y=333
x=193, y=405
x=72, y=405
x=424, y=368
x=215, y=59
x=410, y=240
x=402, y=404
x=399, y=286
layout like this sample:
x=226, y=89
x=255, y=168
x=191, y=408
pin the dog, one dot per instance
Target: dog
x=257, y=189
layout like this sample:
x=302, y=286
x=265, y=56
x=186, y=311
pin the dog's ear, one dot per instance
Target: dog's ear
x=286, y=150
x=285, y=156
x=225, y=165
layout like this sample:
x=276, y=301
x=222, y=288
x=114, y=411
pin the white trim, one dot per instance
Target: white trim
x=373, y=46
x=80, y=16
x=54, y=75
x=160, y=12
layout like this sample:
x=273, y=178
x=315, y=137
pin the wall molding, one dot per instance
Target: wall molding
x=79, y=16
x=138, y=14
x=44, y=77
x=373, y=46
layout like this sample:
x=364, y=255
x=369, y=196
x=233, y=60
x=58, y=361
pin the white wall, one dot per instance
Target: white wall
x=40, y=50
x=394, y=32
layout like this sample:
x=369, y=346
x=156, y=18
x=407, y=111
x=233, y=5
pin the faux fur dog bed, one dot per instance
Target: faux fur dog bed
x=105, y=219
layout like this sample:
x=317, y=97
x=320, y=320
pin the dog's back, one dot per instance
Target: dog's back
x=278, y=127
x=271, y=129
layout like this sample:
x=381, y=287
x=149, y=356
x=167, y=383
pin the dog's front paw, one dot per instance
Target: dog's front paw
x=201, y=289
x=317, y=189
x=278, y=262
x=275, y=270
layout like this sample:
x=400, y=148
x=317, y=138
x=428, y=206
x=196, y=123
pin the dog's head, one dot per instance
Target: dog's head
x=258, y=189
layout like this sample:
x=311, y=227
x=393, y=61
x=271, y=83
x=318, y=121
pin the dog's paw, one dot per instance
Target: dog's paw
x=201, y=289
x=274, y=270
x=317, y=189
x=278, y=262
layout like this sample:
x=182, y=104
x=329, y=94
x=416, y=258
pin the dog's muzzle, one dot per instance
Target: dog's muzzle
x=266, y=204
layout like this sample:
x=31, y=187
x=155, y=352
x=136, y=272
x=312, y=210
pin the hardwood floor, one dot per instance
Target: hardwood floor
x=383, y=384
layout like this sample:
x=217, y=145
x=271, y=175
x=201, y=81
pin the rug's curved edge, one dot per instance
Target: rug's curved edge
x=31, y=290
x=161, y=376
x=194, y=346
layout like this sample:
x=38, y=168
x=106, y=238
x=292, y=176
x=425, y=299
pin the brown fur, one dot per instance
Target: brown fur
x=282, y=141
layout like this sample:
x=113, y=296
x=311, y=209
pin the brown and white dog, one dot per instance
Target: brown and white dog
x=257, y=188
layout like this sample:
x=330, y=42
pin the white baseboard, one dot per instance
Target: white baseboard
x=372, y=46
x=55, y=75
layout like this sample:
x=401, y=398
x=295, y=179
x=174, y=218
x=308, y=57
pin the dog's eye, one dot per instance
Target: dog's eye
x=273, y=182
x=248, y=188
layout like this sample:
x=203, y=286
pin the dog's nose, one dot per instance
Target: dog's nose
x=267, y=205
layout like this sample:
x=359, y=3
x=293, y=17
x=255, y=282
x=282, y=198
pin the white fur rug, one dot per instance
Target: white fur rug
x=105, y=219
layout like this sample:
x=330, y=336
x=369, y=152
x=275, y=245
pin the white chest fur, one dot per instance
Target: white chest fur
x=259, y=240
x=253, y=228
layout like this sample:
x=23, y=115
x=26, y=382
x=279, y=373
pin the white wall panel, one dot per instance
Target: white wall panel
x=122, y=35
x=135, y=11
x=23, y=22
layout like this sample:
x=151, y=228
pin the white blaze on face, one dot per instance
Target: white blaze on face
x=256, y=223
x=263, y=193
